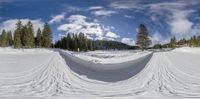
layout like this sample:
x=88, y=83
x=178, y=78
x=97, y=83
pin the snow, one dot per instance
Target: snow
x=110, y=57
x=188, y=50
x=59, y=74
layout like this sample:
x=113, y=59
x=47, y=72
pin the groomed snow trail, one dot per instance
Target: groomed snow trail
x=163, y=76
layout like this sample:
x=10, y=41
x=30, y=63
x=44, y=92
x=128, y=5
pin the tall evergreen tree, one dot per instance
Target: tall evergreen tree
x=142, y=37
x=30, y=35
x=24, y=36
x=82, y=41
x=39, y=38
x=47, y=36
x=173, y=42
x=68, y=41
x=75, y=42
x=17, y=35
x=4, y=40
x=10, y=38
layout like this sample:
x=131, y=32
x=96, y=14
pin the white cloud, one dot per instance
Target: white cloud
x=95, y=8
x=128, y=41
x=124, y=4
x=103, y=12
x=157, y=38
x=129, y=17
x=176, y=15
x=108, y=28
x=57, y=18
x=9, y=25
x=69, y=8
x=112, y=35
x=99, y=38
x=180, y=24
x=79, y=23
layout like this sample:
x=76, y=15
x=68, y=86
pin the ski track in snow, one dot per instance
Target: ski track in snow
x=163, y=76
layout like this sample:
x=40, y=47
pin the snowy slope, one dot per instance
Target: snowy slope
x=54, y=74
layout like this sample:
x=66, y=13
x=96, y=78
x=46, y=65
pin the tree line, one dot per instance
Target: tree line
x=80, y=42
x=75, y=42
x=174, y=43
x=23, y=37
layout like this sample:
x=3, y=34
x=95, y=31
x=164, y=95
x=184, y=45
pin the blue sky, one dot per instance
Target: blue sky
x=106, y=19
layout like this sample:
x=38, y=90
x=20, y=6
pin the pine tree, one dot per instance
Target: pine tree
x=24, y=36
x=10, y=38
x=30, y=35
x=39, y=38
x=90, y=45
x=173, y=42
x=4, y=41
x=17, y=35
x=47, y=36
x=0, y=41
x=76, y=42
x=142, y=37
x=68, y=41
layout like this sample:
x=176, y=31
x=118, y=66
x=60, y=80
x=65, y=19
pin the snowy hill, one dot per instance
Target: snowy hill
x=50, y=74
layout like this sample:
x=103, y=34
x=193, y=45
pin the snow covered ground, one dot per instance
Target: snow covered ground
x=50, y=74
x=110, y=57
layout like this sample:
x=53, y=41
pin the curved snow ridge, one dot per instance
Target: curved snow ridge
x=105, y=72
x=106, y=67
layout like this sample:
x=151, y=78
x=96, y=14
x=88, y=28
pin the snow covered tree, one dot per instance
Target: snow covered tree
x=39, y=38
x=47, y=36
x=142, y=37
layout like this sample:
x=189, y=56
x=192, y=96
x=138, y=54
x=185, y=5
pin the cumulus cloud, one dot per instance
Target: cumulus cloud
x=176, y=16
x=79, y=23
x=57, y=18
x=128, y=41
x=10, y=25
x=112, y=35
x=180, y=24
